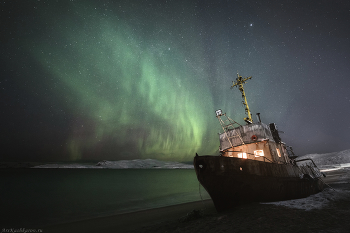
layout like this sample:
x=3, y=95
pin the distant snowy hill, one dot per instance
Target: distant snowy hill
x=143, y=163
x=124, y=164
x=333, y=158
x=321, y=160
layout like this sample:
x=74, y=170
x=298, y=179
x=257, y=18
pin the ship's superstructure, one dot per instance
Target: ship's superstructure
x=256, y=141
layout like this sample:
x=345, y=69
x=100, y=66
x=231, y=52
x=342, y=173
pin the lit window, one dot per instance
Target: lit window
x=258, y=153
x=242, y=155
x=278, y=152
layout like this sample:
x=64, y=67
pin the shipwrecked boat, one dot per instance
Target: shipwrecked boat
x=254, y=164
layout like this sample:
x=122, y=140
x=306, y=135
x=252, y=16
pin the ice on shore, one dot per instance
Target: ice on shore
x=124, y=164
x=316, y=201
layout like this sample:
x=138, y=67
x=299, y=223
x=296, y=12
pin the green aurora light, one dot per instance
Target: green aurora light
x=128, y=79
x=137, y=94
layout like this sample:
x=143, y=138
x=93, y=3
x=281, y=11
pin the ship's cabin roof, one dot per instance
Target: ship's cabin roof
x=245, y=134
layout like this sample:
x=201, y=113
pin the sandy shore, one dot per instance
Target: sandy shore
x=134, y=221
x=254, y=217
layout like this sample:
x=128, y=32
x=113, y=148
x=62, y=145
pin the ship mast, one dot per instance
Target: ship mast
x=239, y=83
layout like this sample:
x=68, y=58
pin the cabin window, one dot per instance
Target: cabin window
x=242, y=155
x=258, y=153
x=278, y=152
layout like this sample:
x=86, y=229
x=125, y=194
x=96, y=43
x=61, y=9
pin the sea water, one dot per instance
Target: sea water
x=39, y=197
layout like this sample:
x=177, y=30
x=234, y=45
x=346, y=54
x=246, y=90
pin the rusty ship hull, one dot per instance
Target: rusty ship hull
x=232, y=181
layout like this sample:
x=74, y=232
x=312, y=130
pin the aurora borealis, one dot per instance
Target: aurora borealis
x=128, y=91
x=93, y=80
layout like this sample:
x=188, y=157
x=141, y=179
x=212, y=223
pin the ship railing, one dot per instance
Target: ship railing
x=305, y=160
x=311, y=169
x=278, y=162
x=306, y=170
x=316, y=172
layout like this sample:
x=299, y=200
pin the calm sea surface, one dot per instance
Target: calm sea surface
x=36, y=197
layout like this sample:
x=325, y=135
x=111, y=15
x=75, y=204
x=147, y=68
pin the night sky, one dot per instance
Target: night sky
x=110, y=80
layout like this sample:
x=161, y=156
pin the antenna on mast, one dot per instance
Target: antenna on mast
x=239, y=83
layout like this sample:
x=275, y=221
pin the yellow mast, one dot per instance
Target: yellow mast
x=239, y=83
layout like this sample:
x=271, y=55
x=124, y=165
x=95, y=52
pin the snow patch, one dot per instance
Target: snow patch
x=316, y=201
